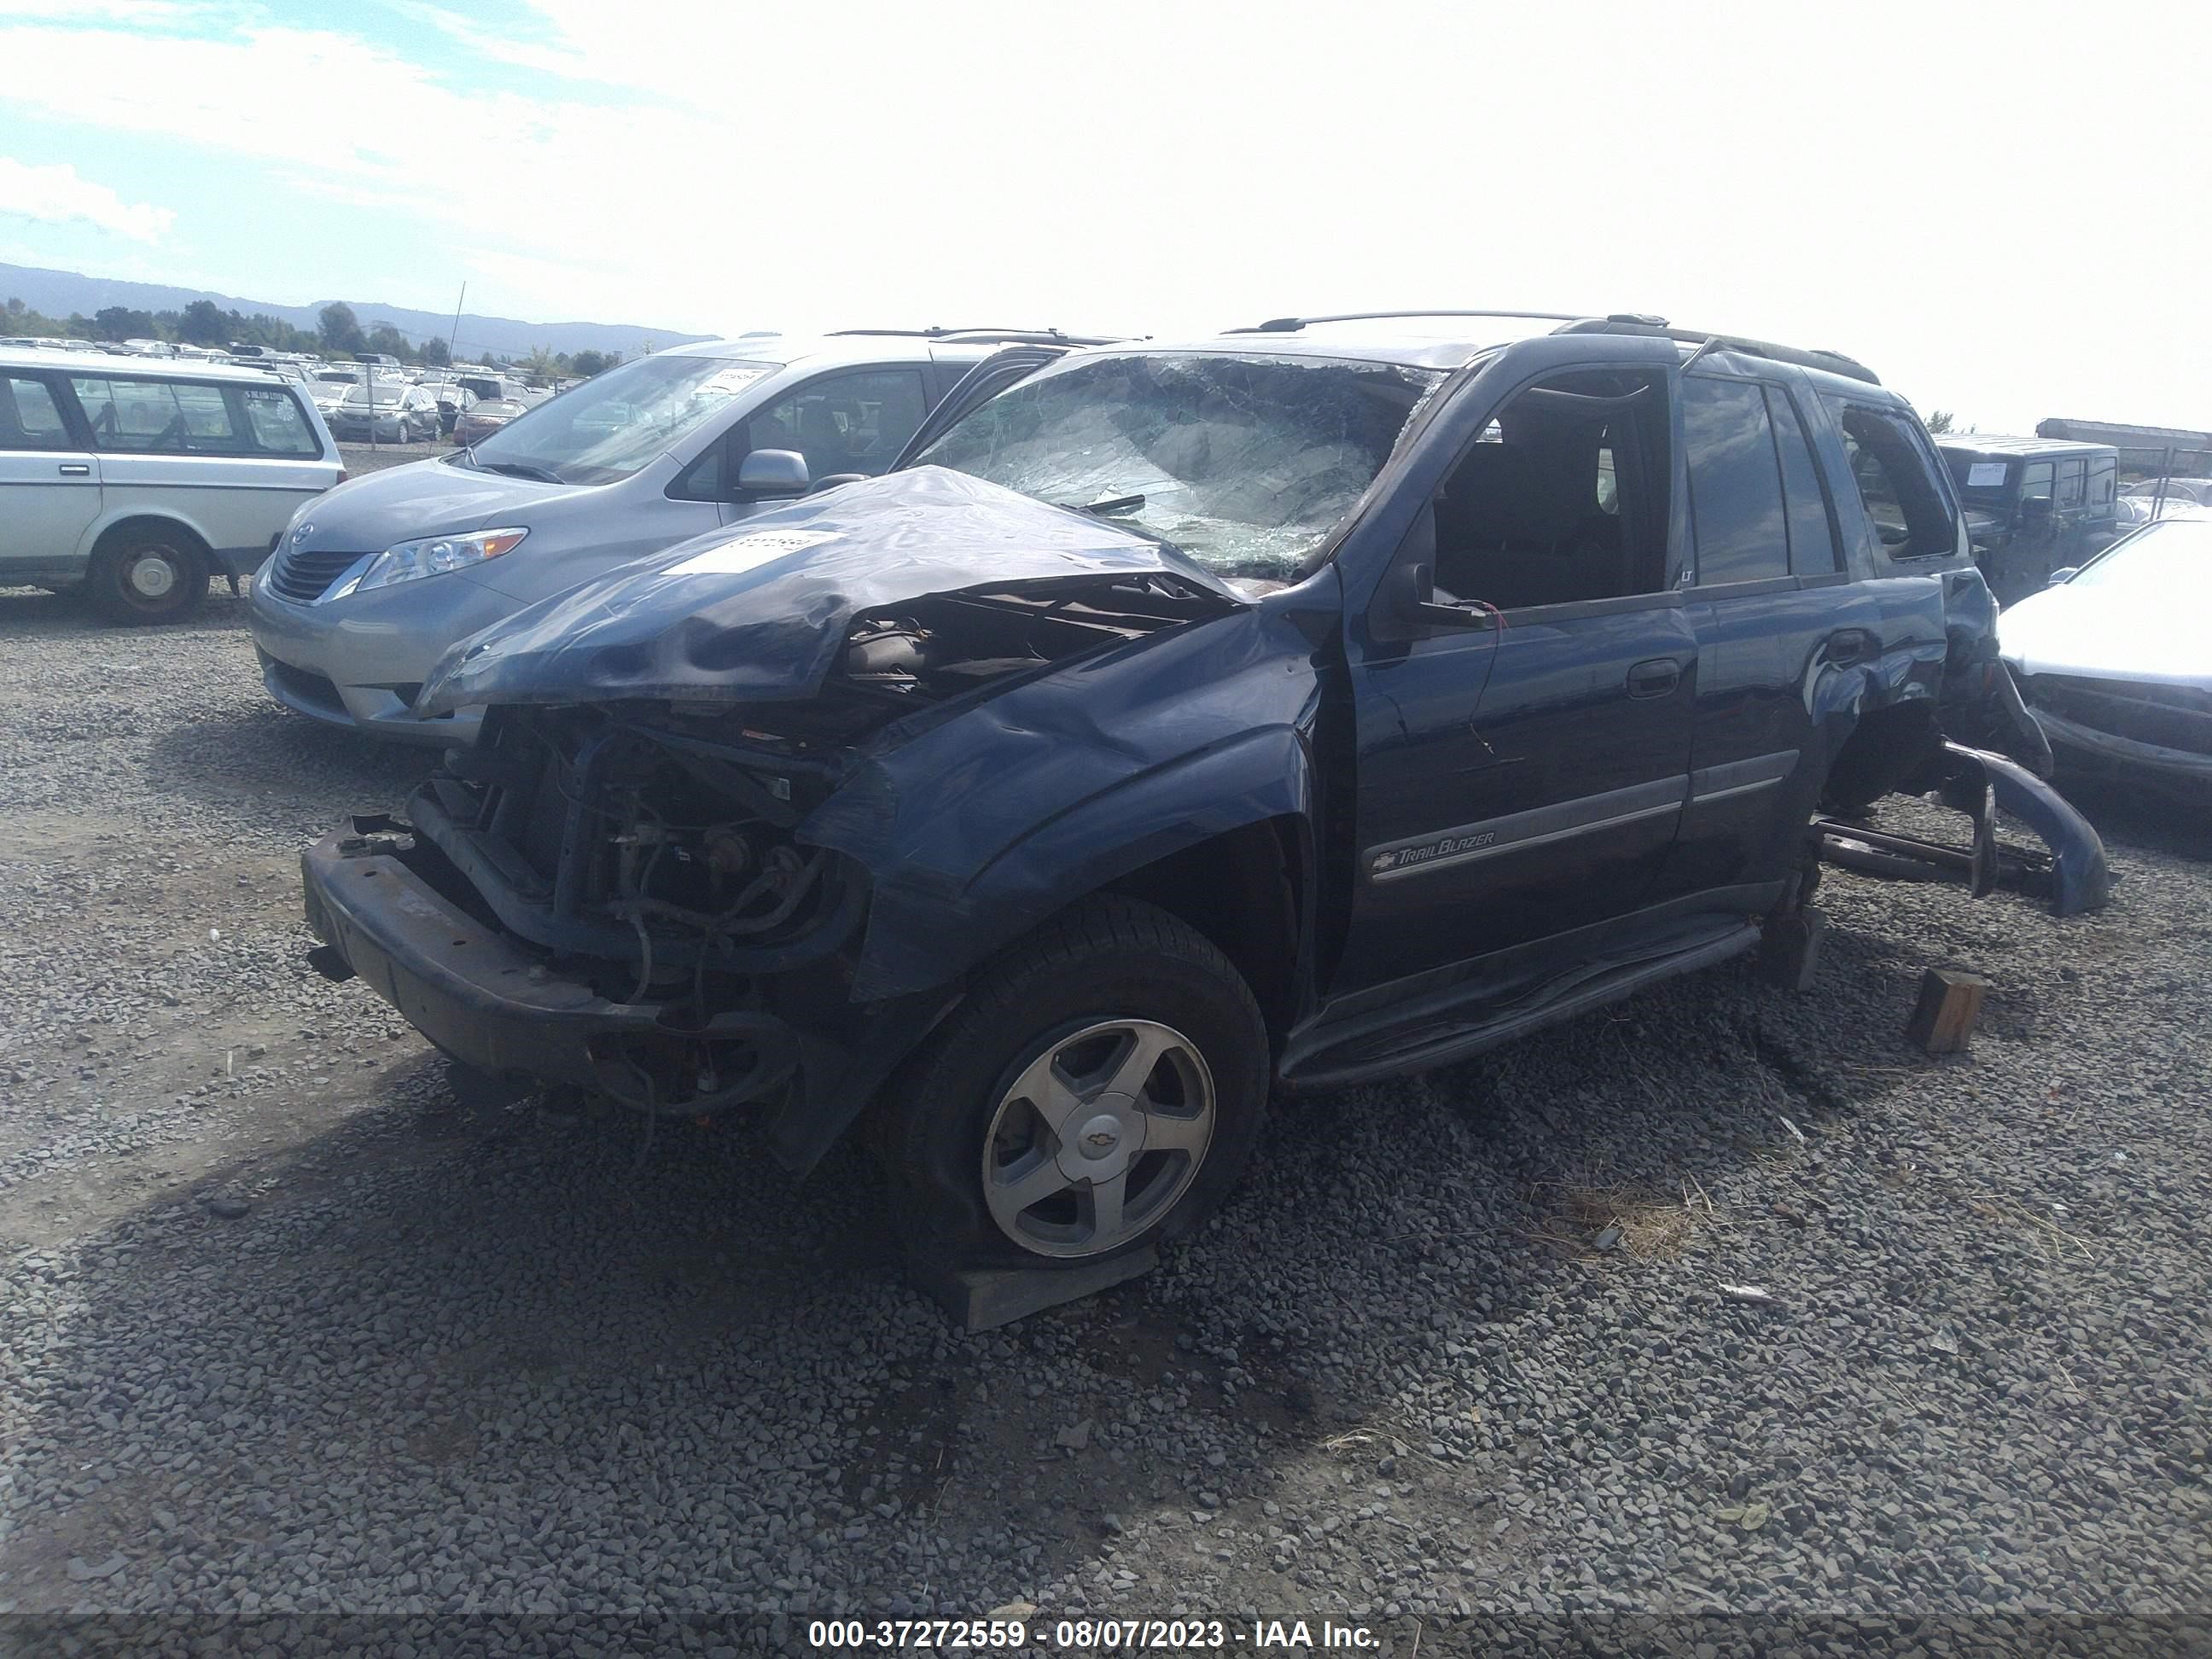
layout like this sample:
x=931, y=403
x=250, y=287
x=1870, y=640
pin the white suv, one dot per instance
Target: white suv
x=137, y=481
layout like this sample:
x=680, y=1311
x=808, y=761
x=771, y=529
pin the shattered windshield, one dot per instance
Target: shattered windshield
x=1247, y=464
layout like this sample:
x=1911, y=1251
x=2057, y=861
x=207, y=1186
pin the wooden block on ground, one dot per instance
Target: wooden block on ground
x=1950, y=1003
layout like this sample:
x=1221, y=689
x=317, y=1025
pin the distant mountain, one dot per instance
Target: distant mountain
x=57, y=293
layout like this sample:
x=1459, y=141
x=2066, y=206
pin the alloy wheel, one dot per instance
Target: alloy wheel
x=1098, y=1137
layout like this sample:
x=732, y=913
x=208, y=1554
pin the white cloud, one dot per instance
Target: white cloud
x=58, y=196
x=1952, y=202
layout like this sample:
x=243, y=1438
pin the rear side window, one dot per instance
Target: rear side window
x=1896, y=476
x=1736, y=484
x=29, y=418
x=145, y=417
x=2104, y=483
x=1814, y=550
x=2071, y=482
x=166, y=417
x=276, y=425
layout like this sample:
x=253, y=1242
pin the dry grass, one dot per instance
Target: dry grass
x=2044, y=1230
x=1652, y=1224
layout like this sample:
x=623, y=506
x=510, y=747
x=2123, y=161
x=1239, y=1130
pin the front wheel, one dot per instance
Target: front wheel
x=1100, y=1090
x=147, y=574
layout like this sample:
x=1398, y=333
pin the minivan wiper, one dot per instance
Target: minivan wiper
x=519, y=470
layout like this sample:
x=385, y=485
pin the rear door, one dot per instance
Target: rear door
x=2098, y=528
x=49, y=480
x=232, y=461
x=1771, y=603
x=2069, y=510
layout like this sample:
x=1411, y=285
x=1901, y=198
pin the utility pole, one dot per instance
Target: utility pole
x=456, y=334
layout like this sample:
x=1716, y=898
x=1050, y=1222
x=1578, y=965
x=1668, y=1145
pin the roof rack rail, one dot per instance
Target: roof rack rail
x=1833, y=362
x=1293, y=324
x=1012, y=336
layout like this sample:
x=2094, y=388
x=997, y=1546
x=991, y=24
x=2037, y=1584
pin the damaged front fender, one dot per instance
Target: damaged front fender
x=978, y=828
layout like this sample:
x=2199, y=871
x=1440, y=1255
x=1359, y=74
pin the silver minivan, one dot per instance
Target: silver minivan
x=371, y=586
x=137, y=480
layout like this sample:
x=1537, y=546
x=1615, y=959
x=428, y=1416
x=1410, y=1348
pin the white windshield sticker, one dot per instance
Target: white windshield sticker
x=743, y=553
x=1981, y=473
x=730, y=381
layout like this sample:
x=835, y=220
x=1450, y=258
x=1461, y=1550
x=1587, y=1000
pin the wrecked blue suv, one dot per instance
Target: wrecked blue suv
x=1298, y=707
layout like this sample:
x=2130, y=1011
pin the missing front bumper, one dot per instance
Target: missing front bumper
x=491, y=1005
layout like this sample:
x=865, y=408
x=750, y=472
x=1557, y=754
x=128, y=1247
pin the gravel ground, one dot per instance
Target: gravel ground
x=287, y=1322
x=374, y=458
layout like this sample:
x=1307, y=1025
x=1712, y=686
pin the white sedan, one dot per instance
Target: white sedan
x=2115, y=660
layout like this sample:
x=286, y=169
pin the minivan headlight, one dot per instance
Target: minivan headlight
x=433, y=555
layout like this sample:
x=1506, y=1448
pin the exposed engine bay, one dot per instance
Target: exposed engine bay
x=649, y=850
x=944, y=645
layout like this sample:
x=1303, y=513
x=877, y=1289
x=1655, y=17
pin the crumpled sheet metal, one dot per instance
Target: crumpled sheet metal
x=758, y=612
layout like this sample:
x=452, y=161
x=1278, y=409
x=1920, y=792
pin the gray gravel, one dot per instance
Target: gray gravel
x=374, y=458
x=288, y=1323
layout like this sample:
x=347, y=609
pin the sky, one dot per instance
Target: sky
x=1999, y=208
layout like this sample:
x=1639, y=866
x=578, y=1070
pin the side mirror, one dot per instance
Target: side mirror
x=1412, y=602
x=833, y=480
x=2060, y=578
x=769, y=472
x=2033, y=507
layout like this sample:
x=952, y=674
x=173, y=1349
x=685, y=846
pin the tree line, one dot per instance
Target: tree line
x=339, y=334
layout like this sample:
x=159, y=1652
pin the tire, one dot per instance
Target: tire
x=148, y=573
x=1074, y=1000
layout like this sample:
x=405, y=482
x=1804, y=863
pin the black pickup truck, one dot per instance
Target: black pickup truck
x=1316, y=703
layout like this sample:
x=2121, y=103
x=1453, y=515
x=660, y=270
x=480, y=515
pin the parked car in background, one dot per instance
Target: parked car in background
x=2132, y=512
x=485, y=416
x=2115, y=660
x=1301, y=706
x=137, y=480
x=369, y=589
x=453, y=400
x=385, y=412
x=2033, y=505
x=2197, y=492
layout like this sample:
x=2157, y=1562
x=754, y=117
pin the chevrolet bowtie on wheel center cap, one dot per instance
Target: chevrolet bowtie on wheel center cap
x=1098, y=1137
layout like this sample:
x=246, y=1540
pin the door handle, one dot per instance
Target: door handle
x=76, y=469
x=1848, y=644
x=1655, y=677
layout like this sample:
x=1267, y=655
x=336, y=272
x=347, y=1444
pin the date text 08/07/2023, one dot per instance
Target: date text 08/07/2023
x=1087, y=1635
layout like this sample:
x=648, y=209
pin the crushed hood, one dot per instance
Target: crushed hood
x=759, y=612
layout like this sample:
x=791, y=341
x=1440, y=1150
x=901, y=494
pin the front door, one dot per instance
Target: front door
x=49, y=482
x=1519, y=781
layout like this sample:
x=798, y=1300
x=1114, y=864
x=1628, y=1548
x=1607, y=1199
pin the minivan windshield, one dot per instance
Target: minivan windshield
x=605, y=429
x=1248, y=464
